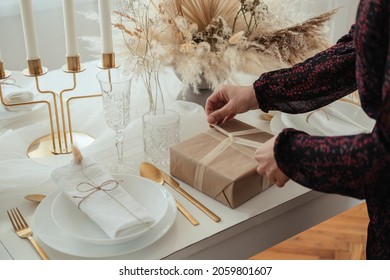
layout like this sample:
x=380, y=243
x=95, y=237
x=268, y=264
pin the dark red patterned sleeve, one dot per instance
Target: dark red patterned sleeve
x=357, y=165
x=311, y=84
x=345, y=165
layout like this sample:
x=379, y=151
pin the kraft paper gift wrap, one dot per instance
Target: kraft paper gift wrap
x=220, y=162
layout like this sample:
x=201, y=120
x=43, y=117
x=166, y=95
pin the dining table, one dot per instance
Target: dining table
x=270, y=217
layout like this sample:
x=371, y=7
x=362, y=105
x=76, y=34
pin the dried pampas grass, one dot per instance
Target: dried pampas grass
x=293, y=44
x=197, y=39
x=202, y=12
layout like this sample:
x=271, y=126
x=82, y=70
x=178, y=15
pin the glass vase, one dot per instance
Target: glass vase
x=149, y=96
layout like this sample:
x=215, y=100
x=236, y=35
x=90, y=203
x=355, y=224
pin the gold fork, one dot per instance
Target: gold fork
x=23, y=230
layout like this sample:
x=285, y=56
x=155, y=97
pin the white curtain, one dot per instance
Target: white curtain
x=340, y=23
x=11, y=7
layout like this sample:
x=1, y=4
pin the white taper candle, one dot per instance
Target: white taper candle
x=70, y=28
x=1, y=58
x=105, y=26
x=30, y=34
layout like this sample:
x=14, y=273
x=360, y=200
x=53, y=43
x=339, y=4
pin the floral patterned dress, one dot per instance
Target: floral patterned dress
x=357, y=165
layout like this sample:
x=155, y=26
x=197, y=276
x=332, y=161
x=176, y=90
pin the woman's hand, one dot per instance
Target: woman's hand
x=267, y=163
x=228, y=101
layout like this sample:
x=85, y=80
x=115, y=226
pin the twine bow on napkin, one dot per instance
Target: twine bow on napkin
x=93, y=188
x=95, y=192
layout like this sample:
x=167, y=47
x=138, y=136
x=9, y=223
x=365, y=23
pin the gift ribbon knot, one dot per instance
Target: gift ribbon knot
x=232, y=140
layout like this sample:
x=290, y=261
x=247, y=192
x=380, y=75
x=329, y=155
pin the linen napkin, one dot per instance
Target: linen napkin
x=90, y=187
x=19, y=97
x=333, y=123
x=15, y=94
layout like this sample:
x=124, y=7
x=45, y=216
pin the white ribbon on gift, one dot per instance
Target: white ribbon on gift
x=232, y=141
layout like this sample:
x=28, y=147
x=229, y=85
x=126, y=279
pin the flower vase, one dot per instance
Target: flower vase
x=149, y=95
x=202, y=85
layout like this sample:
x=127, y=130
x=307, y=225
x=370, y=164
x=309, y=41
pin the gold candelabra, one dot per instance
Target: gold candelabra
x=61, y=137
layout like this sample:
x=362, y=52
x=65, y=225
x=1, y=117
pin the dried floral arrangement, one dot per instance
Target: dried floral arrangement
x=215, y=39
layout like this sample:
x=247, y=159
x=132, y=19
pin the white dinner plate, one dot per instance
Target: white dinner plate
x=338, y=118
x=71, y=219
x=53, y=236
x=298, y=122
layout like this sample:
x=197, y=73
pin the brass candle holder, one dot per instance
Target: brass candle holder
x=61, y=137
x=34, y=67
x=108, y=61
x=4, y=74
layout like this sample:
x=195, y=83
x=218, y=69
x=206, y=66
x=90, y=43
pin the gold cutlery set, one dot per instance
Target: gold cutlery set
x=147, y=170
x=150, y=171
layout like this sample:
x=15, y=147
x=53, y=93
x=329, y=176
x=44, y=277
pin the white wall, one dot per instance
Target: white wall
x=340, y=23
x=50, y=35
x=51, y=38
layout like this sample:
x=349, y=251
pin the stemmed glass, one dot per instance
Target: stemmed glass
x=116, y=88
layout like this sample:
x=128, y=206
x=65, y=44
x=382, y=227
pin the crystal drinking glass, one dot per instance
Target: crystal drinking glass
x=116, y=89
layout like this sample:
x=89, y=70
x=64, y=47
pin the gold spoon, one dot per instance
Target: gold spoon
x=157, y=177
x=151, y=171
x=35, y=197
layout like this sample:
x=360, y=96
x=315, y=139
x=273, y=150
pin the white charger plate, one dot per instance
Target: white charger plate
x=335, y=126
x=299, y=122
x=71, y=219
x=53, y=236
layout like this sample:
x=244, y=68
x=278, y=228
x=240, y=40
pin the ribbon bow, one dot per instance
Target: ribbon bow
x=106, y=187
x=232, y=138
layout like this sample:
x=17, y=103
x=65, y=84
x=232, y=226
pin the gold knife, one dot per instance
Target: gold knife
x=187, y=214
x=174, y=184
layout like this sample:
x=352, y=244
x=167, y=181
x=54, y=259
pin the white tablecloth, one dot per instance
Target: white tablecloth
x=268, y=218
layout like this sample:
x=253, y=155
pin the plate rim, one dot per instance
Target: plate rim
x=83, y=249
x=313, y=130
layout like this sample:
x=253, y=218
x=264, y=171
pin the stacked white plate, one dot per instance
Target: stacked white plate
x=338, y=118
x=61, y=225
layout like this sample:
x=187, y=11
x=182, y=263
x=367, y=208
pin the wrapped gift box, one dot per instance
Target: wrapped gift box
x=220, y=162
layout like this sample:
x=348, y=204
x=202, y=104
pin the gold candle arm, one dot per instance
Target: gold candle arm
x=32, y=103
x=69, y=115
x=67, y=148
x=52, y=144
x=4, y=74
x=55, y=112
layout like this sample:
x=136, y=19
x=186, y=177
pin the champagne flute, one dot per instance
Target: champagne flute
x=116, y=89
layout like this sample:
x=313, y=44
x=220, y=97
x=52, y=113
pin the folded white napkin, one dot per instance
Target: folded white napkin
x=19, y=96
x=333, y=123
x=89, y=186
